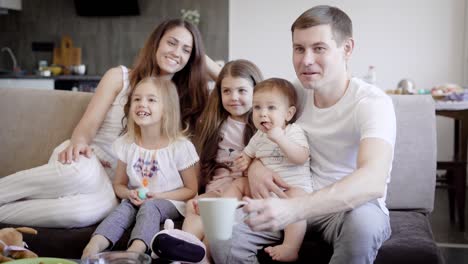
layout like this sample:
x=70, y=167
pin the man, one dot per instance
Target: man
x=350, y=127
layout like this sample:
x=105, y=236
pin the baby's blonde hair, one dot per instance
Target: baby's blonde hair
x=171, y=124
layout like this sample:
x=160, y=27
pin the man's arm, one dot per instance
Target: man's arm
x=365, y=184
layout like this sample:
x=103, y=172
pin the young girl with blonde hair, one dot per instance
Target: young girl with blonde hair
x=157, y=168
x=225, y=128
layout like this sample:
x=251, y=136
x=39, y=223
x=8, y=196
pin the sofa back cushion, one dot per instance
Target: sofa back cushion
x=413, y=179
x=34, y=122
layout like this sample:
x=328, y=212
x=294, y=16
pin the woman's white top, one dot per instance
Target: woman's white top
x=111, y=127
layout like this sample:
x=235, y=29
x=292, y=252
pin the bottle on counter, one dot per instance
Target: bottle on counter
x=371, y=76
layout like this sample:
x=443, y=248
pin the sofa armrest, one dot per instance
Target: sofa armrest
x=34, y=122
x=413, y=176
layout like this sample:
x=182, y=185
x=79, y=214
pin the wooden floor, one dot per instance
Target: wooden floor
x=452, y=242
x=444, y=231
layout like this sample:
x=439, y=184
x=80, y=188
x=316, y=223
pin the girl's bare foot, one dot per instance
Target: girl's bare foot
x=97, y=244
x=137, y=246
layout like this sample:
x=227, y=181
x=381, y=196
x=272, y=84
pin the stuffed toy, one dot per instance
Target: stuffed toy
x=12, y=246
x=177, y=246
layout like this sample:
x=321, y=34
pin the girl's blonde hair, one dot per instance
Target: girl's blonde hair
x=207, y=136
x=171, y=124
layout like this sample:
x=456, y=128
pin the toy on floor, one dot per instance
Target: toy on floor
x=177, y=245
x=12, y=246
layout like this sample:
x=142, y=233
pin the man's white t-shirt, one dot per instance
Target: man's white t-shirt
x=334, y=133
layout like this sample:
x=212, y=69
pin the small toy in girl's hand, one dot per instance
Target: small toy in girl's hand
x=142, y=193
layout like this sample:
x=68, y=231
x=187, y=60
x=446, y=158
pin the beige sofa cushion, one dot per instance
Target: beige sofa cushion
x=33, y=123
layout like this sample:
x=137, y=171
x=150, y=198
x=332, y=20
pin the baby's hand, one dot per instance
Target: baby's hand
x=133, y=197
x=241, y=163
x=275, y=133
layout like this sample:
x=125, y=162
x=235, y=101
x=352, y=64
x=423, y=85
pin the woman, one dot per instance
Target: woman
x=74, y=189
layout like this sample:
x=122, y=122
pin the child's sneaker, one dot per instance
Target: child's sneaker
x=177, y=245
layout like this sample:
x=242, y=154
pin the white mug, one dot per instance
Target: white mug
x=218, y=216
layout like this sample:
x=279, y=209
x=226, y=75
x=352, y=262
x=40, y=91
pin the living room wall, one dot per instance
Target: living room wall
x=423, y=40
x=105, y=41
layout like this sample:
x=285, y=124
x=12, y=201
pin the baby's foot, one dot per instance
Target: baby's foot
x=283, y=253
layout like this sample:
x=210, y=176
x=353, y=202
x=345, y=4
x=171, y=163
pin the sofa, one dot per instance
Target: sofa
x=35, y=121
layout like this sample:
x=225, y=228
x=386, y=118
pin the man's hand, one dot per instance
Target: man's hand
x=262, y=181
x=270, y=214
x=73, y=152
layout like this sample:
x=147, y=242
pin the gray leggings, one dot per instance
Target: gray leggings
x=356, y=237
x=147, y=219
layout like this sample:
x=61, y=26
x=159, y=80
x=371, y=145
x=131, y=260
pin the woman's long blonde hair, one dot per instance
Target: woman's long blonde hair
x=207, y=134
x=171, y=124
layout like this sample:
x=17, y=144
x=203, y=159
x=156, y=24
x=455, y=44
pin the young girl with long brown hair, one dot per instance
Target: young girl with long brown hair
x=225, y=128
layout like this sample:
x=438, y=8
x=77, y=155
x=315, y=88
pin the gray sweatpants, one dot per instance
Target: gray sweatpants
x=147, y=219
x=356, y=237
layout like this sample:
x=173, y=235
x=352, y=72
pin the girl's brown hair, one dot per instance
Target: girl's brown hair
x=191, y=81
x=171, y=125
x=207, y=134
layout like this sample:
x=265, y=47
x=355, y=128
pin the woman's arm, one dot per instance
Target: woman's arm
x=190, y=179
x=213, y=68
x=108, y=88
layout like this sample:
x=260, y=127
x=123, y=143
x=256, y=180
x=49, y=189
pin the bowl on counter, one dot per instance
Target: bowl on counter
x=55, y=70
x=78, y=69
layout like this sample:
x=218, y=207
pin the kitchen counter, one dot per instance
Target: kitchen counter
x=58, y=77
x=86, y=83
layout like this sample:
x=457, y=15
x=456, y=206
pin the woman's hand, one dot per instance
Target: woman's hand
x=133, y=198
x=73, y=151
x=262, y=181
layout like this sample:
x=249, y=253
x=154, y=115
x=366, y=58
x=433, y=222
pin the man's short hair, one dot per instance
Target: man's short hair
x=340, y=23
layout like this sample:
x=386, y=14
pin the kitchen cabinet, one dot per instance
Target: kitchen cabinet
x=14, y=83
x=10, y=4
